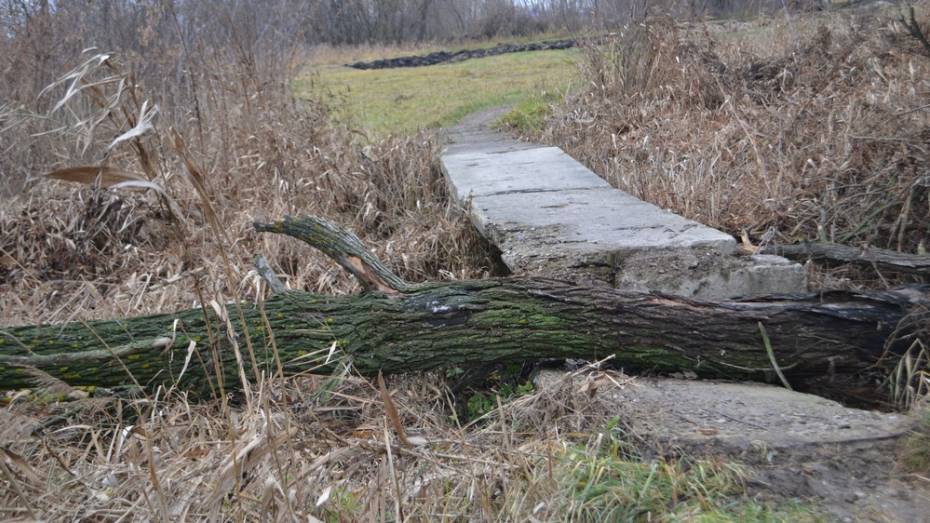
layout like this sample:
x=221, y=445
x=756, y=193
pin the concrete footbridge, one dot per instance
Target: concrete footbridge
x=549, y=214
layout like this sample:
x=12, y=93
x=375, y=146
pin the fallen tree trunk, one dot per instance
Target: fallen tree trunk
x=878, y=259
x=396, y=327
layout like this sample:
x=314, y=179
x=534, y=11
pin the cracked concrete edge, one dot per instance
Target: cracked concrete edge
x=756, y=422
x=697, y=272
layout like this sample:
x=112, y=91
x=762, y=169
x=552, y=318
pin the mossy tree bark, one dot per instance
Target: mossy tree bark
x=397, y=327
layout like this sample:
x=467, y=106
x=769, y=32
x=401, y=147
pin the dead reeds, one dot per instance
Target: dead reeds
x=156, y=180
x=815, y=129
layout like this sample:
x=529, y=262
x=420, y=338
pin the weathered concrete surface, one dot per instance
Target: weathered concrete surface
x=549, y=214
x=794, y=445
x=710, y=276
x=572, y=223
x=748, y=419
x=484, y=174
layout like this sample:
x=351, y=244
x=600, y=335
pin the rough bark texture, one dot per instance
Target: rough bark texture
x=463, y=324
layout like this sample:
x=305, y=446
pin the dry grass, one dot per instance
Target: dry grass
x=914, y=457
x=314, y=448
x=238, y=150
x=324, y=448
x=816, y=129
x=72, y=252
x=909, y=384
x=229, y=145
x=813, y=129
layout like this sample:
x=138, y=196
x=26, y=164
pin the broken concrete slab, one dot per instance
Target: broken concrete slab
x=789, y=444
x=750, y=420
x=550, y=217
x=549, y=214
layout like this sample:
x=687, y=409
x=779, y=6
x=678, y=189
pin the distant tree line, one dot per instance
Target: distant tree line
x=164, y=40
x=394, y=21
x=187, y=53
x=360, y=21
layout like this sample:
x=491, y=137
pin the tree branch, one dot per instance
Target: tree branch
x=467, y=324
x=868, y=256
x=343, y=247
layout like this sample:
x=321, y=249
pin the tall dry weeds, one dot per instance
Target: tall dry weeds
x=814, y=130
x=818, y=130
x=68, y=251
x=196, y=139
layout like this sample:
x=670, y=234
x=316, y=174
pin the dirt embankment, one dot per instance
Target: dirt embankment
x=465, y=54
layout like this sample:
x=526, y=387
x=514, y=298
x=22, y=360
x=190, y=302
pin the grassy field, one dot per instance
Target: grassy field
x=408, y=99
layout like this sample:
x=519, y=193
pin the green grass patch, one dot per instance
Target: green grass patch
x=915, y=451
x=530, y=113
x=405, y=100
x=480, y=403
x=612, y=485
